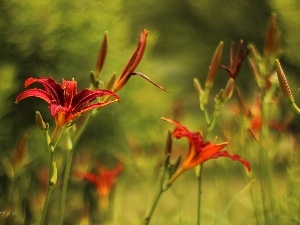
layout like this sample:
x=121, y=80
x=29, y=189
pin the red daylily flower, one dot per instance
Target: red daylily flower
x=199, y=150
x=64, y=102
x=104, y=180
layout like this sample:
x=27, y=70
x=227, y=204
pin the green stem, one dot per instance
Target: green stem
x=262, y=177
x=199, y=179
x=265, y=163
x=51, y=144
x=65, y=187
x=49, y=188
x=67, y=171
x=153, y=205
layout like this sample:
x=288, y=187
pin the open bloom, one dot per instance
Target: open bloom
x=199, y=150
x=64, y=102
x=104, y=180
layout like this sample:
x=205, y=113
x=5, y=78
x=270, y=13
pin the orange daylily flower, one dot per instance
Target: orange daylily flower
x=199, y=150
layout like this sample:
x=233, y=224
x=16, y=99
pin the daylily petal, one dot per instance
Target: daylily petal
x=35, y=93
x=206, y=153
x=181, y=131
x=70, y=90
x=86, y=96
x=89, y=107
x=50, y=85
x=234, y=157
x=55, y=108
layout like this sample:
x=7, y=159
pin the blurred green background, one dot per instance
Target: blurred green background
x=61, y=39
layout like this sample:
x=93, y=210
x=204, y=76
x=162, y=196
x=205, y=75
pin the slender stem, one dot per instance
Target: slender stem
x=49, y=188
x=153, y=205
x=65, y=187
x=199, y=194
x=51, y=144
x=265, y=175
x=68, y=170
x=262, y=177
x=249, y=179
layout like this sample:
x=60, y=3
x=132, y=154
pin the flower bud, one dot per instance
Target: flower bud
x=214, y=65
x=283, y=83
x=210, y=79
x=40, y=122
x=101, y=56
x=54, y=174
x=272, y=41
x=229, y=88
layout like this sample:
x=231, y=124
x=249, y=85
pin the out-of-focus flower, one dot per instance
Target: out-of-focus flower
x=253, y=115
x=104, y=180
x=235, y=62
x=199, y=150
x=262, y=65
x=64, y=102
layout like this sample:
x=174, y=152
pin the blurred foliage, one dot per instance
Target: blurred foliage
x=61, y=39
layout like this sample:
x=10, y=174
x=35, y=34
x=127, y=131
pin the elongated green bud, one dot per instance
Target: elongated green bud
x=272, y=40
x=210, y=79
x=214, y=66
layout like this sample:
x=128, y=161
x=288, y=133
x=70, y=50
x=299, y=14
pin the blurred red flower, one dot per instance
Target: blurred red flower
x=104, y=180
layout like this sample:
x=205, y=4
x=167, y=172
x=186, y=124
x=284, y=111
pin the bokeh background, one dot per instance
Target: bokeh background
x=61, y=39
